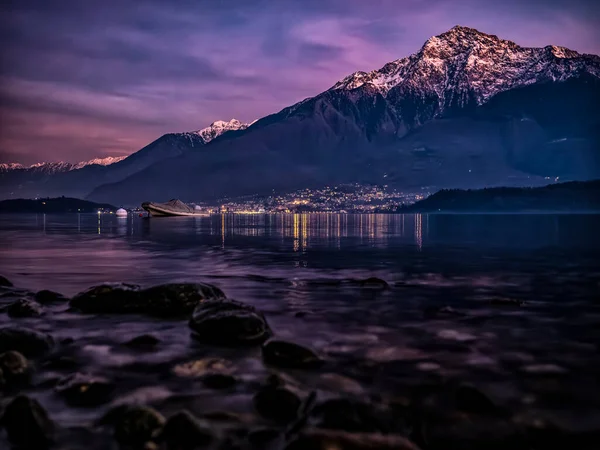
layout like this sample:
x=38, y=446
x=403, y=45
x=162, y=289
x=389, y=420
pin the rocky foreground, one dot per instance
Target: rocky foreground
x=300, y=400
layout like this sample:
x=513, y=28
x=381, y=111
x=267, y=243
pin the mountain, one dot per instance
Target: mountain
x=467, y=110
x=78, y=180
x=52, y=205
x=56, y=167
x=573, y=196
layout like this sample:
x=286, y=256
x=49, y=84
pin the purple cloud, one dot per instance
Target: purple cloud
x=80, y=79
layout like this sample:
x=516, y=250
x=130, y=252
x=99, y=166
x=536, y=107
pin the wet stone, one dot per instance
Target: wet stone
x=165, y=300
x=15, y=367
x=60, y=363
x=24, y=340
x=45, y=296
x=218, y=381
x=202, y=367
x=329, y=440
x=184, y=431
x=277, y=403
x=145, y=342
x=262, y=437
x=25, y=308
x=501, y=301
x=289, y=355
x=374, y=283
x=27, y=424
x=229, y=323
x=354, y=416
x=135, y=425
x=85, y=390
x=5, y=282
x=472, y=400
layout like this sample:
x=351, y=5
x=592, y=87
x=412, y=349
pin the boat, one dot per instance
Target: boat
x=173, y=207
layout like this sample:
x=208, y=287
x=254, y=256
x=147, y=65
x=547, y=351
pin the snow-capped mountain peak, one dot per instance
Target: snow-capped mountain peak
x=60, y=166
x=464, y=64
x=219, y=127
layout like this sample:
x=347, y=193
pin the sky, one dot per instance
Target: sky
x=85, y=79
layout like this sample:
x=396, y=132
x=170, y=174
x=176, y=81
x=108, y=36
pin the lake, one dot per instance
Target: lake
x=506, y=304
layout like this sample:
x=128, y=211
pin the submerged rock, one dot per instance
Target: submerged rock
x=4, y=282
x=14, y=367
x=163, y=300
x=145, y=342
x=27, y=424
x=218, y=380
x=25, y=308
x=134, y=425
x=108, y=298
x=287, y=354
x=329, y=440
x=277, y=403
x=202, y=367
x=472, y=400
x=374, y=283
x=229, y=323
x=81, y=389
x=24, y=340
x=45, y=296
x=355, y=416
x=184, y=431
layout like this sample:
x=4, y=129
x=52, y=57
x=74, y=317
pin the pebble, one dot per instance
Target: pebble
x=24, y=340
x=80, y=389
x=289, y=355
x=277, y=403
x=184, y=431
x=24, y=308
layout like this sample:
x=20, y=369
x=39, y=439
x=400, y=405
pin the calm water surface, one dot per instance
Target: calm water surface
x=441, y=319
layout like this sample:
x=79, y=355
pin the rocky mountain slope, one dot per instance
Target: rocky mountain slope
x=61, y=178
x=467, y=110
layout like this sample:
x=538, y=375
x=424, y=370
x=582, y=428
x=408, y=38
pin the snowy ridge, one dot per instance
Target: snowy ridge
x=219, y=127
x=57, y=167
x=464, y=63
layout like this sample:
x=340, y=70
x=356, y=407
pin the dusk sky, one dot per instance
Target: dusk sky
x=84, y=79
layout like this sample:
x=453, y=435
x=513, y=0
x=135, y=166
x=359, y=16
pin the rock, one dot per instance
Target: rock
x=339, y=383
x=164, y=300
x=229, y=323
x=470, y=399
x=355, y=416
x=25, y=308
x=277, y=403
x=5, y=282
x=218, y=381
x=27, y=424
x=45, y=296
x=2, y=380
x=24, y=340
x=61, y=363
x=108, y=298
x=85, y=390
x=329, y=440
x=145, y=342
x=202, y=367
x=287, y=354
x=184, y=431
x=15, y=367
x=262, y=437
x=134, y=425
x=374, y=283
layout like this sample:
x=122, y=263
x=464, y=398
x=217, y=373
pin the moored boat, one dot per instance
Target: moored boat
x=173, y=207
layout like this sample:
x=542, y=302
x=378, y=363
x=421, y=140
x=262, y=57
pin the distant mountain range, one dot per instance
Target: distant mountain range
x=568, y=197
x=467, y=110
x=57, y=167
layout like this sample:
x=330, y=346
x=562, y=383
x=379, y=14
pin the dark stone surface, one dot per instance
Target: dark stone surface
x=134, y=425
x=229, y=323
x=14, y=367
x=163, y=300
x=287, y=354
x=27, y=424
x=355, y=416
x=45, y=296
x=184, y=431
x=277, y=403
x=25, y=308
x=24, y=340
x=145, y=342
x=218, y=380
x=328, y=440
x=80, y=389
x=5, y=282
